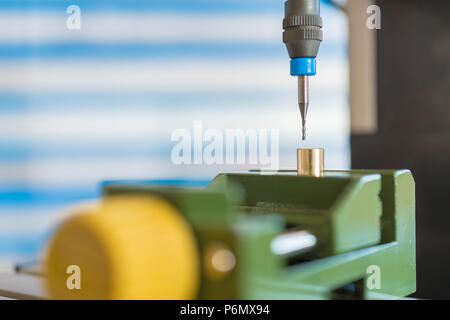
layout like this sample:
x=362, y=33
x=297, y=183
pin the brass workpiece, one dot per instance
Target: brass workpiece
x=310, y=162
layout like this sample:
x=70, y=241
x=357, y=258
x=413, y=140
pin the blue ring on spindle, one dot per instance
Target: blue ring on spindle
x=303, y=66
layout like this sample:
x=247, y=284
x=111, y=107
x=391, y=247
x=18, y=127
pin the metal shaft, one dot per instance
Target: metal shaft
x=303, y=101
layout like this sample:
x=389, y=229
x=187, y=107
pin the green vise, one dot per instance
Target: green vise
x=363, y=222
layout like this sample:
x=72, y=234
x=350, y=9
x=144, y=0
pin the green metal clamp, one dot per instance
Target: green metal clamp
x=364, y=221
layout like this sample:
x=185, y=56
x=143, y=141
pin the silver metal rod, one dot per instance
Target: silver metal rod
x=303, y=100
x=293, y=243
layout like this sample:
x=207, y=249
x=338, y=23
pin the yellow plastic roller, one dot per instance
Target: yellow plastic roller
x=132, y=247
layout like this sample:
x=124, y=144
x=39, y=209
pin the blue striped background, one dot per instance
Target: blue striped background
x=29, y=186
x=183, y=6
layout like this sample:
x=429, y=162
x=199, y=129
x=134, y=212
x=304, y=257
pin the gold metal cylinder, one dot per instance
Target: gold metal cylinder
x=310, y=162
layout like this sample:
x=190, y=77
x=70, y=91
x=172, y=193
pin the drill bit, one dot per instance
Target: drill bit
x=303, y=100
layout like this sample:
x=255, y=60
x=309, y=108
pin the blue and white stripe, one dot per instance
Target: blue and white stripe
x=81, y=106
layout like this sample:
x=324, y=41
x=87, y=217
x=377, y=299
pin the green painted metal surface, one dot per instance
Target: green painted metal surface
x=364, y=221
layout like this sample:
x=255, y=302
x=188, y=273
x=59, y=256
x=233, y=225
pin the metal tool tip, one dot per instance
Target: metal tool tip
x=303, y=130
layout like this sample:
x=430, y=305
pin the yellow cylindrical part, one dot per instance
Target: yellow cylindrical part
x=310, y=162
x=130, y=247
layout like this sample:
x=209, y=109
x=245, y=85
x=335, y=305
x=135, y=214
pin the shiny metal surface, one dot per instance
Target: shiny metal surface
x=310, y=162
x=293, y=243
